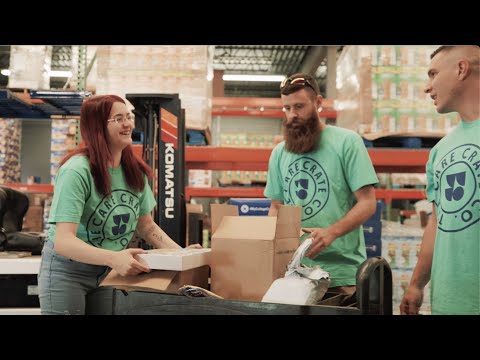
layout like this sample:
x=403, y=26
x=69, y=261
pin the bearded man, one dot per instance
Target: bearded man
x=326, y=170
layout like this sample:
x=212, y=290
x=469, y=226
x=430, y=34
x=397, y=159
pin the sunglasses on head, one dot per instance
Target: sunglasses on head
x=296, y=81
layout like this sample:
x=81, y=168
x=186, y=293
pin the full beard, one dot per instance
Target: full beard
x=302, y=137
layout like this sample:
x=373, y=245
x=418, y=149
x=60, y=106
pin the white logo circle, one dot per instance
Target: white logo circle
x=244, y=208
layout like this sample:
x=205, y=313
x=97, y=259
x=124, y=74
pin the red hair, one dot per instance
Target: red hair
x=93, y=126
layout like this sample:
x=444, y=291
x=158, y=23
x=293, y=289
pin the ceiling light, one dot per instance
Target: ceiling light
x=59, y=73
x=273, y=78
x=5, y=72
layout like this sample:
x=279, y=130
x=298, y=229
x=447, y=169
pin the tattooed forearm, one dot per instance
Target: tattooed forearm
x=155, y=236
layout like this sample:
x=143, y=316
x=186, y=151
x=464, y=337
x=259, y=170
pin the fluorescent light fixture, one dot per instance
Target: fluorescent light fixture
x=51, y=73
x=59, y=73
x=272, y=78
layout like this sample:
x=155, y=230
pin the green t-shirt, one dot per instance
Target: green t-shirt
x=323, y=182
x=453, y=184
x=107, y=222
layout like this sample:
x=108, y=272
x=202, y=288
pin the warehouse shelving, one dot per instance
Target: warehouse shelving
x=31, y=188
x=260, y=107
x=228, y=158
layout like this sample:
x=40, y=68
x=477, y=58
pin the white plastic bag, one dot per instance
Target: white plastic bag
x=301, y=285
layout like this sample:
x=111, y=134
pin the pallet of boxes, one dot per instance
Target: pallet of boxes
x=380, y=93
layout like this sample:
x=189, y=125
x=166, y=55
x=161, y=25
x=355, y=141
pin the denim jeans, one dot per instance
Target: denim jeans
x=63, y=283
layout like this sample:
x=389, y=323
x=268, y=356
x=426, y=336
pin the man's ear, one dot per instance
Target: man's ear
x=319, y=102
x=463, y=69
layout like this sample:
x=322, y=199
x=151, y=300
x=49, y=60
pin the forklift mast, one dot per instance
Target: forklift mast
x=162, y=121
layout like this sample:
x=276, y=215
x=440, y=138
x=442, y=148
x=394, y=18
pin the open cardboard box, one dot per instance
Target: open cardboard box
x=250, y=252
x=159, y=280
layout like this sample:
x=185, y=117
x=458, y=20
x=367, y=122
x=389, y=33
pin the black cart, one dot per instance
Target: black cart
x=373, y=297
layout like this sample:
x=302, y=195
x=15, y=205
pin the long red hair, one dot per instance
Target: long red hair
x=93, y=126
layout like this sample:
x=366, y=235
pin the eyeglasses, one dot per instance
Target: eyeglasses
x=299, y=81
x=120, y=119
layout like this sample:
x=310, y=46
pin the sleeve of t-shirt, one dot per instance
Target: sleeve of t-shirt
x=358, y=167
x=274, y=189
x=430, y=176
x=147, y=200
x=70, y=193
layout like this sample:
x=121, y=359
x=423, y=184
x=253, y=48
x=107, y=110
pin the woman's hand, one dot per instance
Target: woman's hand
x=125, y=264
x=194, y=246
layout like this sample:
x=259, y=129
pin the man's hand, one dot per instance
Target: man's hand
x=321, y=239
x=124, y=262
x=411, y=301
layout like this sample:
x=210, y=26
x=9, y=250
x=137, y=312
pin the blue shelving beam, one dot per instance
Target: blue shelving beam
x=13, y=107
x=66, y=102
x=55, y=102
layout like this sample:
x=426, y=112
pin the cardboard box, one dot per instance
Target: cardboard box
x=175, y=259
x=159, y=280
x=250, y=252
x=33, y=220
x=200, y=178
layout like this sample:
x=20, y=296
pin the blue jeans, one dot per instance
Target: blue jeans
x=63, y=283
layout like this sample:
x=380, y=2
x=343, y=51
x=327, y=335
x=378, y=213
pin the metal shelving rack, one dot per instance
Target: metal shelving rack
x=223, y=158
x=67, y=103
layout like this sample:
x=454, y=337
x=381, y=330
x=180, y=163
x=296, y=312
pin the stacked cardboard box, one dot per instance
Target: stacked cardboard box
x=158, y=69
x=200, y=178
x=63, y=140
x=10, y=146
x=380, y=92
x=33, y=220
x=251, y=140
x=247, y=140
x=30, y=65
x=239, y=177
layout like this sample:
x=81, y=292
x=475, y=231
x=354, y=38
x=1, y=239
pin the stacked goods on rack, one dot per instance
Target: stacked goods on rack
x=245, y=140
x=36, y=217
x=400, y=247
x=29, y=63
x=10, y=146
x=159, y=69
x=64, y=135
x=380, y=92
x=200, y=178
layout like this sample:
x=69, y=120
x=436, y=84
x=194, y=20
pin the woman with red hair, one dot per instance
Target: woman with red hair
x=101, y=196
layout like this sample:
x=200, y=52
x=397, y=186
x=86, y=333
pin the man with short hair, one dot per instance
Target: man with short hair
x=326, y=170
x=450, y=251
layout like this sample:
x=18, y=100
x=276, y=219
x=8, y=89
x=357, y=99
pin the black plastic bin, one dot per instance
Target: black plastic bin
x=373, y=297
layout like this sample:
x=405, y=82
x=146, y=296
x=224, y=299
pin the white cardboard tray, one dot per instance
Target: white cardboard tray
x=175, y=259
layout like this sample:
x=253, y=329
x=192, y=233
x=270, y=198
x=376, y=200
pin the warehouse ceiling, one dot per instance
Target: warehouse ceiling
x=268, y=60
x=232, y=59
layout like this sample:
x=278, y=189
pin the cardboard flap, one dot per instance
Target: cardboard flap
x=289, y=220
x=246, y=228
x=156, y=279
x=218, y=211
